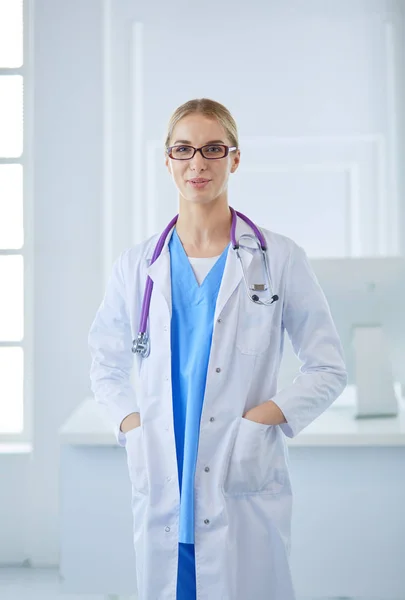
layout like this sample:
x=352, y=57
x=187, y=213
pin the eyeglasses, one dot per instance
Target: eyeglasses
x=211, y=151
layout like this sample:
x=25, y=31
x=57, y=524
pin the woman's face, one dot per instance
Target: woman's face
x=197, y=130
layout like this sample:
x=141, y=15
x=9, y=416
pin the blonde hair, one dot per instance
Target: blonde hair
x=208, y=108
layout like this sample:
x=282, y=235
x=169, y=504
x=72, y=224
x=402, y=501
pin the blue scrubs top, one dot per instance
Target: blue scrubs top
x=193, y=309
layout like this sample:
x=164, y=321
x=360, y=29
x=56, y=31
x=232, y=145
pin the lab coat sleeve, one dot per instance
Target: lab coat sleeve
x=311, y=329
x=110, y=343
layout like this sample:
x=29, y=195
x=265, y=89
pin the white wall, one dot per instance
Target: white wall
x=68, y=262
x=315, y=89
x=69, y=267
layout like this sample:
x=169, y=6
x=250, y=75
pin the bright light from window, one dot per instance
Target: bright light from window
x=11, y=33
x=12, y=298
x=11, y=115
x=11, y=207
x=11, y=390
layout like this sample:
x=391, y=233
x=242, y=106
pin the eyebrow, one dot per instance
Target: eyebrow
x=206, y=144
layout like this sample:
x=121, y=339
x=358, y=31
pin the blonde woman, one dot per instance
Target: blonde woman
x=204, y=307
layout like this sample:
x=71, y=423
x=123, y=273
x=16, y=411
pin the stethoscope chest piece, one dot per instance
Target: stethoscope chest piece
x=141, y=345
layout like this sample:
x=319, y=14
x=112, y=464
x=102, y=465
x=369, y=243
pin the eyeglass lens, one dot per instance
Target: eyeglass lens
x=184, y=152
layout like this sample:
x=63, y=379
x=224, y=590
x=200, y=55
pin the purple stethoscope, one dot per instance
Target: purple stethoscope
x=142, y=344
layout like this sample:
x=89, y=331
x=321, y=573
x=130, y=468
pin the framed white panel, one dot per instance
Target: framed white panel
x=291, y=198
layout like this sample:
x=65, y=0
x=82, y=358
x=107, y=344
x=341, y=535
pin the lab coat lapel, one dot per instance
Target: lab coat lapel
x=233, y=271
x=159, y=272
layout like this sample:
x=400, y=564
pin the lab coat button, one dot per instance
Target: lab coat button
x=219, y=321
x=168, y=478
x=212, y=419
x=167, y=529
x=218, y=370
x=207, y=469
x=206, y=521
x=165, y=327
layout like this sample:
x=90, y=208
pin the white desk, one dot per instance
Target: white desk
x=348, y=536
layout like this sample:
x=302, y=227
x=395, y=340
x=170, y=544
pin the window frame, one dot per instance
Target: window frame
x=27, y=249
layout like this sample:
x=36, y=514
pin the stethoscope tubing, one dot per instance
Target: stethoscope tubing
x=143, y=341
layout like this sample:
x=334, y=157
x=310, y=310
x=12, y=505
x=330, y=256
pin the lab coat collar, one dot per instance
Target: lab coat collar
x=159, y=271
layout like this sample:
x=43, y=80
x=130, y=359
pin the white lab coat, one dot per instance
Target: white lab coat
x=243, y=497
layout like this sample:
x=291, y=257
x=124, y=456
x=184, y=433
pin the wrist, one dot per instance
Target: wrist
x=130, y=422
x=273, y=413
x=267, y=413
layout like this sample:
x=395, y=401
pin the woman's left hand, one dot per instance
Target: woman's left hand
x=267, y=413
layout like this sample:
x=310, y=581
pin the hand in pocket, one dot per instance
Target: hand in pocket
x=132, y=421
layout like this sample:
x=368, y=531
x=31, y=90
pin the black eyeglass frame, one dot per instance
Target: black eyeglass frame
x=228, y=149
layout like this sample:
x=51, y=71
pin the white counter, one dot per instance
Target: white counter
x=348, y=519
x=337, y=426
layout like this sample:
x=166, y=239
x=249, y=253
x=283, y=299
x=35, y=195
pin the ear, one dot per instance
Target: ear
x=235, y=161
x=167, y=163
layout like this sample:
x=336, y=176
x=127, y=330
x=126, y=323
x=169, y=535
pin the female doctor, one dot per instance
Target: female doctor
x=203, y=424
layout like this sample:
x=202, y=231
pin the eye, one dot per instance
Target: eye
x=214, y=151
x=182, y=151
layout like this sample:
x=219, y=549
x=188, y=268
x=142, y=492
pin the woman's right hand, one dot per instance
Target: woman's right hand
x=131, y=422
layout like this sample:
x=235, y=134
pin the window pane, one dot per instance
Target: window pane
x=11, y=115
x=12, y=298
x=11, y=390
x=11, y=207
x=11, y=33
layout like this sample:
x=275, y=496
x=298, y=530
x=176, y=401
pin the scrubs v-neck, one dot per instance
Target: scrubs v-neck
x=193, y=309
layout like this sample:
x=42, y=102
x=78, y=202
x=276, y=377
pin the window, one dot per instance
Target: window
x=13, y=251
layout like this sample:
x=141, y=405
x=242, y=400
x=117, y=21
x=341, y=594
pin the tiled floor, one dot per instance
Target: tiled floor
x=43, y=584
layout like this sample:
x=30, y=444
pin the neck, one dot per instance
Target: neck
x=204, y=230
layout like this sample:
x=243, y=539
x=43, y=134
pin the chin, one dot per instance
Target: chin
x=198, y=198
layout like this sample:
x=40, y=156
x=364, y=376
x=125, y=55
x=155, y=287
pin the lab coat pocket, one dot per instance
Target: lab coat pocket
x=255, y=324
x=136, y=460
x=256, y=466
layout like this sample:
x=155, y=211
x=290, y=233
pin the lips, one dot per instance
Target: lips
x=199, y=183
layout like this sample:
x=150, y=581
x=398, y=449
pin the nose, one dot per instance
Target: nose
x=198, y=162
